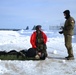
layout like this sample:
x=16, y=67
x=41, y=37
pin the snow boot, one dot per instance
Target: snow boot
x=70, y=58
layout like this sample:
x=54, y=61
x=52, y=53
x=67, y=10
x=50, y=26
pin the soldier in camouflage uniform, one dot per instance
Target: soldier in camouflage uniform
x=68, y=32
x=38, y=40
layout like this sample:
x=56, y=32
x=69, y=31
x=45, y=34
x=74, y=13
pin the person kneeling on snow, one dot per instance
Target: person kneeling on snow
x=38, y=41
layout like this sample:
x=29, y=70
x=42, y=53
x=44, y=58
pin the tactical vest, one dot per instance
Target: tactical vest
x=41, y=46
x=39, y=37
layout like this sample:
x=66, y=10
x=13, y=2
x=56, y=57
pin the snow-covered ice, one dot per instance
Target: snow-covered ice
x=55, y=64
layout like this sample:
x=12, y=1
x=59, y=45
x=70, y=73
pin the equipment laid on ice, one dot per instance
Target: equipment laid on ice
x=29, y=54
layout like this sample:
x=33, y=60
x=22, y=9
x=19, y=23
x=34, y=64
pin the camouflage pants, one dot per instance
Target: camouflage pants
x=68, y=44
x=42, y=48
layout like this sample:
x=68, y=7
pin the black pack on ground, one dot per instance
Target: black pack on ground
x=31, y=52
x=13, y=52
x=3, y=53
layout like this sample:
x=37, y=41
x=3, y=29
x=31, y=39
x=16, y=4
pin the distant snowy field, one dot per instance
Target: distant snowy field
x=53, y=65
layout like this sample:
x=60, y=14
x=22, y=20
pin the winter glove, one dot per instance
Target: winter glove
x=60, y=32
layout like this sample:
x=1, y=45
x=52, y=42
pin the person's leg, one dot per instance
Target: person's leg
x=44, y=50
x=68, y=44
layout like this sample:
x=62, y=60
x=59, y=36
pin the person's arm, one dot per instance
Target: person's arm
x=32, y=40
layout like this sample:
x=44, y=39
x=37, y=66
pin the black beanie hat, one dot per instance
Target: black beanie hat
x=37, y=27
x=67, y=12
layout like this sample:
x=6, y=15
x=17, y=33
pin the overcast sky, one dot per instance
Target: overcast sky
x=22, y=13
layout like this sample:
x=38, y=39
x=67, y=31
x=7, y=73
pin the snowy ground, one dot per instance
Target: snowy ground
x=53, y=65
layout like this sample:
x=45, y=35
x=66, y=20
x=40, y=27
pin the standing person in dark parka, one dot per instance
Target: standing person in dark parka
x=68, y=32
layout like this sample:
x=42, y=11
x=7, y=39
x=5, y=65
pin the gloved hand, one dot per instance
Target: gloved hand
x=60, y=32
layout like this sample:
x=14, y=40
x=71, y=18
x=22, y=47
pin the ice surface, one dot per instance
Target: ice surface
x=55, y=64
